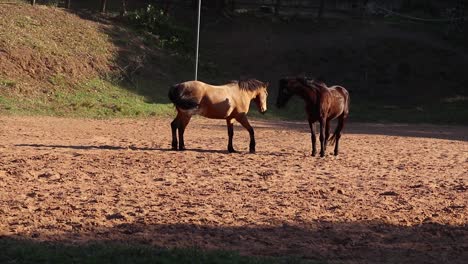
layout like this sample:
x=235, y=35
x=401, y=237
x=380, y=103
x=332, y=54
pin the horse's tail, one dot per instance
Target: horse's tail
x=332, y=139
x=176, y=95
x=339, y=127
x=342, y=118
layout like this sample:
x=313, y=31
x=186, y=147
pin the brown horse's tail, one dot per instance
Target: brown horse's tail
x=332, y=139
x=176, y=95
x=339, y=127
x=341, y=119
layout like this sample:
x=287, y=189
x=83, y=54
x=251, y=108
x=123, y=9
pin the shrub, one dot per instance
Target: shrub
x=156, y=21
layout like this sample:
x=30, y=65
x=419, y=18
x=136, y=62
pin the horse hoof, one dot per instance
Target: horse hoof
x=232, y=151
x=314, y=153
x=252, y=151
x=182, y=148
x=322, y=155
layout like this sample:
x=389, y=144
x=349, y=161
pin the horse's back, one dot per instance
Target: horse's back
x=340, y=98
x=193, y=86
x=212, y=101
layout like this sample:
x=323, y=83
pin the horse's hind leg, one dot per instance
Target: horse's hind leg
x=313, y=138
x=184, y=120
x=337, y=134
x=230, y=127
x=322, y=136
x=245, y=123
x=327, y=134
x=174, y=126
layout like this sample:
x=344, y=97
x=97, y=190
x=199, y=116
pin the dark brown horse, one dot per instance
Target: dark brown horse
x=322, y=104
x=230, y=101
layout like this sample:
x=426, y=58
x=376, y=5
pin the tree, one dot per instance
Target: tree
x=233, y=5
x=123, y=8
x=321, y=8
x=103, y=6
x=277, y=7
x=67, y=4
x=167, y=4
x=33, y=2
x=220, y=6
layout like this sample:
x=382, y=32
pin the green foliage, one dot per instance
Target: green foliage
x=171, y=35
x=53, y=3
x=452, y=111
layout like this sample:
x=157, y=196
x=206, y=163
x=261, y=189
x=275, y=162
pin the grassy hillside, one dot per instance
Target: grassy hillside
x=68, y=63
x=53, y=62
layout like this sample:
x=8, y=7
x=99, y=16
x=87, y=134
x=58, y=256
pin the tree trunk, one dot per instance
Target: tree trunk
x=167, y=6
x=233, y=5
x=321, y=9
x=220, y=6
x=103, y=6
x=364, y=8
x=67, y=4
x=33, y=2
x=123, y=8
x=277, y=7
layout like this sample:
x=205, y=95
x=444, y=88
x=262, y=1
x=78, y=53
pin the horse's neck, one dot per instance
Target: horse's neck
x=249, y=94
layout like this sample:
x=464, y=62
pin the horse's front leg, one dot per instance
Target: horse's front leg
x=322, y=137
x=230, y=127
x=245, y=123
x=312, y=136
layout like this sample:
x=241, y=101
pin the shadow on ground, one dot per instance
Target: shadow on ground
x=353, y=242
x=388, y=129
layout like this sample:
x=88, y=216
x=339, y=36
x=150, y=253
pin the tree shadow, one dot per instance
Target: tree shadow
x=89, y=147
x=140, y=65
x=331, y=242
x=109, y=147
x=388, y=129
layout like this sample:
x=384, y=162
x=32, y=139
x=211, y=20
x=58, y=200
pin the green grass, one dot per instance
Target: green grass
x=441, y=112
x=363, y=109
x=96, y=98
x=18, y=251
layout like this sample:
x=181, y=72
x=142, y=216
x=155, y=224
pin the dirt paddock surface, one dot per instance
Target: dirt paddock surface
x=396, y=194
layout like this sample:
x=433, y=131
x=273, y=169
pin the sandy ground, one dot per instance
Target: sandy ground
x=396, y=194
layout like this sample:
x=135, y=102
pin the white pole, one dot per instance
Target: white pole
x=198, y=40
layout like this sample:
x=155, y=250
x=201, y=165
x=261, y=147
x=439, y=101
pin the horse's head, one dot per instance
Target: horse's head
x=286, y=90
x=261, y=98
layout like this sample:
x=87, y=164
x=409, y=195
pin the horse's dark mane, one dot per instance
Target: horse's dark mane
x=249, y=84
x=312, y=83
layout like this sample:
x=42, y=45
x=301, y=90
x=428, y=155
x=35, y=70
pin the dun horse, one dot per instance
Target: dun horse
x=230, y=101
x=322, y=104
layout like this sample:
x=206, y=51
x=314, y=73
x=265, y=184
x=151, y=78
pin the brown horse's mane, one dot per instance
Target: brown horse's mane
x=311, y=83
x=249, y=84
